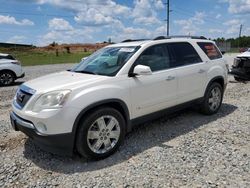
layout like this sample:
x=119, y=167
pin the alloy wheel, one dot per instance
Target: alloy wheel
x=103, y=134
x=214, y=99
x=6, y=78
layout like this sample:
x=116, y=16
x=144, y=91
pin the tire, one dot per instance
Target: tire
x=100, y=134
x=6, y=78
x=212, y=100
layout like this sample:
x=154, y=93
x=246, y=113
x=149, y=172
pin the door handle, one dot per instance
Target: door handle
x=169, y=78
x=201, y=71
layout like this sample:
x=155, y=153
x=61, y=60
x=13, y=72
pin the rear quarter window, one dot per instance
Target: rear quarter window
x=210, y=50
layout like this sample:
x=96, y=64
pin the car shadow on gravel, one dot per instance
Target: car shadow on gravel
x=17, y=83
x=152, y=134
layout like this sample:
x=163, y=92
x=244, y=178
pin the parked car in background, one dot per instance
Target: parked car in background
x=241, y=67
x=242, y=50
x=10, y=69
x=90, y=108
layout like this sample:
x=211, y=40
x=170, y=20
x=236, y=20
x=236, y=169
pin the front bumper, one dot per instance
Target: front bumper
x=240, y=73
x=62, y=144
x=22, y=75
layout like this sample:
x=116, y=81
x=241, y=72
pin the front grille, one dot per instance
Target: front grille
x=22, y=97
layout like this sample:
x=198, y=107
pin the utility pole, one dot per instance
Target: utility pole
x=240, y=35
x=168, y=15
x=168, y=11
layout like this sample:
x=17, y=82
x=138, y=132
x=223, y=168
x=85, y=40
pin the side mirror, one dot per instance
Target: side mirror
x=223, y=52
x=142, y=70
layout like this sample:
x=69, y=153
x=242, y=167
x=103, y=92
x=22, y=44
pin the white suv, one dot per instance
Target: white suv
x=89, y=109
x=10, y=69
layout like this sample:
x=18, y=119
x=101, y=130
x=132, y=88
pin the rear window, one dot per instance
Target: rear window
x=210, y=49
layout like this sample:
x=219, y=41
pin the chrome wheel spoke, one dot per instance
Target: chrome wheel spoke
x=93, y=135
x=103, y=134
x=98, y=144
x=101, y=123
x=114, y=134
x=107, y=143
x=210, y=100
x=111, y=124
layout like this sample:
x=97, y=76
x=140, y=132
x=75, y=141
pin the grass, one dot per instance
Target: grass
x=30, y=58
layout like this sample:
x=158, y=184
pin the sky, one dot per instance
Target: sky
x=41, y=22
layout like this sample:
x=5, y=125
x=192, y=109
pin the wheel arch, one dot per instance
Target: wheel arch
x=8, y=70
x=117, y=104
x=218, y=79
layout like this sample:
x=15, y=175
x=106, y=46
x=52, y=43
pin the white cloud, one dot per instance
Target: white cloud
x=16, y=39
x=59, y=24
x=233, y=22
x=238, y=6
x=218, y=16
x=246, y=31
x=61, y=31
x=73, y=36
x=213, y=31
x=190, y=26
x=147, y=20
x=144, y=13
x=12, y=21
x=233, y=26
x=92, y=12
x=93, y=17
x=159, y=4
x=104, y=15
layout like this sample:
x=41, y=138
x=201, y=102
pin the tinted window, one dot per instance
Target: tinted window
x=210, y=49
x=156, y=57
x=7, y=57
x=183, y=54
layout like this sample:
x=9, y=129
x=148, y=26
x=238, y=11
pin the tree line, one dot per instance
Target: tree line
x=243, y=41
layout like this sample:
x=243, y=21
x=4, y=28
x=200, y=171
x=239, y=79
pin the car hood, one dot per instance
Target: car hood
x=63, y=80
x=245, y=54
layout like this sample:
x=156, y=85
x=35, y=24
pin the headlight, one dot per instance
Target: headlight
x=51, y=100
x=236, y=62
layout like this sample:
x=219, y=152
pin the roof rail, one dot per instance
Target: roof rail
x=180, y=36
x=131, y=40
x=161, y=38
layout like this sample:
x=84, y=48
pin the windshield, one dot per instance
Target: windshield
x=107, y=61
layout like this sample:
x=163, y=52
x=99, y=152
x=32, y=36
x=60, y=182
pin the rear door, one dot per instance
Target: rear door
x=191, y=71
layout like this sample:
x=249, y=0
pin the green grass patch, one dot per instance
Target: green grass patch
x=30, y=57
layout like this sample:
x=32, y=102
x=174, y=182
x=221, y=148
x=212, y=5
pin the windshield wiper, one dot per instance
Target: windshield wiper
x=87, y=72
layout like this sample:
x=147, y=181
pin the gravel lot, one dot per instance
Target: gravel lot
x=187, y=149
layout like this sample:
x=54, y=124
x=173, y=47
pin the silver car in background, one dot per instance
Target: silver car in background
x=10, y=69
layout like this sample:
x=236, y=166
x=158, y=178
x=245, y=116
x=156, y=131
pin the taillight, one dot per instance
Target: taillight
x=16, y=62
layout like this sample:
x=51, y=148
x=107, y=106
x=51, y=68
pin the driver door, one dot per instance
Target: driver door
x=151, y=93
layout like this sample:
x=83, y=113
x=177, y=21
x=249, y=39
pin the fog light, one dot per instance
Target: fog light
x=41, y=127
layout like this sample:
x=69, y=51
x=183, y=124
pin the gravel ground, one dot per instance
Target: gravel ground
x=184, y=150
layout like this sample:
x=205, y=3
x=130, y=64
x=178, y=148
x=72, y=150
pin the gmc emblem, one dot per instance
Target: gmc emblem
x=20, y=96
